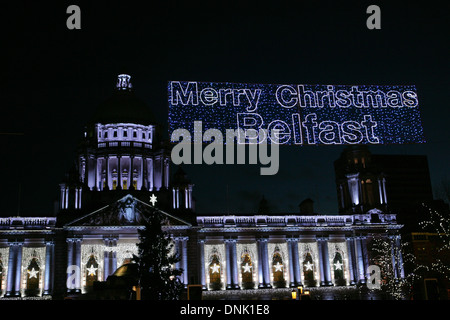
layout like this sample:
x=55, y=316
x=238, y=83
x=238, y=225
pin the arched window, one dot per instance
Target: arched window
x=278, y=271
x=91, y=271
x=338, y=268
x=308, y=271
x=215, y=272
x=247, y=272
x=32, y=278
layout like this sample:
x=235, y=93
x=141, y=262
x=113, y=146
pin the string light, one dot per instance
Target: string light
x=306, y=114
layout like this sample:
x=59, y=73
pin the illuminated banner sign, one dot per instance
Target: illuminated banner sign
x=302, y=114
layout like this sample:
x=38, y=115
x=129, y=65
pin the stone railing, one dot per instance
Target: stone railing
x=292, y=220
x=119, y=144
x=27, y=222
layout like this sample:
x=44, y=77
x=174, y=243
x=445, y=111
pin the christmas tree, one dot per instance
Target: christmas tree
x=158, y=278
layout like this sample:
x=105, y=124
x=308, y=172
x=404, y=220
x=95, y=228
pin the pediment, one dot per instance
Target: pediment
x=127, y=211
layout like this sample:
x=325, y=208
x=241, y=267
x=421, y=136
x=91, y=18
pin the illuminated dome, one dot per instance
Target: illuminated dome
x=123, y=106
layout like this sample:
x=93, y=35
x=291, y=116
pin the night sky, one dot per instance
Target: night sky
x=54, y=78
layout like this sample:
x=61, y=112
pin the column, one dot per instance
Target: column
x=174, y=206
x=78, y=263
x=365, y=255
x=84, y=170
x=401, y=270
x=202, y=263
x=351, y=264
x=150, y=175
x=361, y=199
x=66, y=197
x=69, y=256
x=95, y=174
x=266, y=265
x=234, y=264
x=11, y=263
x=166, y=173
x=297, y=264
x=260, y=263
x=130, y=174
x=228, y=258
x=177, y=246
x=79, y=197
x=380, y=192
x=384, y=190
x=119, y=173
x=76, y=197
x=106, y=264
x=62, y=198
x=107, y=174
x=113, y=261
x=326, y=260
x=184, y=260
x=360, y=260
x=48, y=267
x=143, y=160
x=190, y=196
x=18, y=268
x=321, y=262
x=290, y=243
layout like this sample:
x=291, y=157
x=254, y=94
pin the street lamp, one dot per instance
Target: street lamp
x=294, y=294
x=300, y=289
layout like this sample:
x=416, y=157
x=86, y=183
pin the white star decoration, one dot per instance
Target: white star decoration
x=338, y=265
x=91, y=270
x=33, y=273
x=247, y=268
x=215, y=268
x=278, y=267
x=153, y=199
x=308, y=266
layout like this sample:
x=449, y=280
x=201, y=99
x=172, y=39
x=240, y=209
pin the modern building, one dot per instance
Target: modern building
x=122, y=174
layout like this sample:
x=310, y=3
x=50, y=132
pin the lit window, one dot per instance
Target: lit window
x=91, y=271
x=214, y=273
x=33, y=276
x=278, y=271
x=247, y=272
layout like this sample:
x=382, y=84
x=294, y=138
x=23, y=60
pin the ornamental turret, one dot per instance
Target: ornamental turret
x=121, y=153
x=361, y=184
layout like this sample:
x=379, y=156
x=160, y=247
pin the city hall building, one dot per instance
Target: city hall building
x=122, y=174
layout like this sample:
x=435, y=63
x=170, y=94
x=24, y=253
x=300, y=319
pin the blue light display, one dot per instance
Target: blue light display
x=302, y=114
